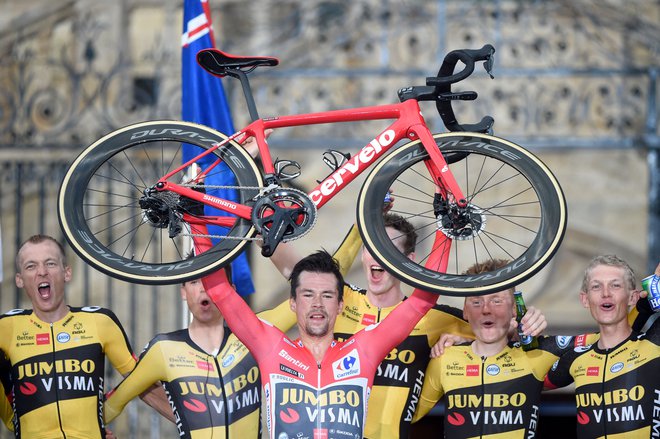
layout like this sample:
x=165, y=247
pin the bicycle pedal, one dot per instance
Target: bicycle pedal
x=287, y=169
x=334, y=160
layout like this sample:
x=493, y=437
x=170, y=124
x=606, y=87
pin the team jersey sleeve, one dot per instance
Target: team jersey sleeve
x=147, y=372
x=641, y=317
x=444, y=319
x=281, y=316
x=432, y=389
x=550, y=349
x=260, y=337
x=396, y=326
x=6, y=411
x=560, y=372
x=348, y=250
x=6, y=328
x=652, y=334
x=115, y=342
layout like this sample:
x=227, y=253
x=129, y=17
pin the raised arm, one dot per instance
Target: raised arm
x=348, y=250
x=260, y=337
x=379, y=339
x=642, y=318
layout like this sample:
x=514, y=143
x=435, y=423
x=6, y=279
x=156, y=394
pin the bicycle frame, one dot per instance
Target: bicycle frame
x=516, y=210
x=408, y=124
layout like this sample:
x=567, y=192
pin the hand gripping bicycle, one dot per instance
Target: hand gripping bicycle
x=128, y=207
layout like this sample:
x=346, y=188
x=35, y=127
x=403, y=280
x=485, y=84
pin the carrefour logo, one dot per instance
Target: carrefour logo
x=348, y=365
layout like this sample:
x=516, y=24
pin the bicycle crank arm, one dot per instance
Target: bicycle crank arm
x=282, y=222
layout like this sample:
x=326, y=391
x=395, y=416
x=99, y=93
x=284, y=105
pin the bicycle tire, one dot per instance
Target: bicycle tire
x=103, y=222
x=520, y=213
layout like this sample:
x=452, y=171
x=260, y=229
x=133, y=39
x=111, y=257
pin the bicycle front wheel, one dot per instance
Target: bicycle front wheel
x=516, y=212
x=106, y=223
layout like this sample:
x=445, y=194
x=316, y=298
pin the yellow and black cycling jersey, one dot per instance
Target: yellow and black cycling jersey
x=400, y=375
x=207, y=392
x=57, y=370
x=490, y=397
x=642, y=318
x=617, y=390
x=398, y=381
x=6, y=411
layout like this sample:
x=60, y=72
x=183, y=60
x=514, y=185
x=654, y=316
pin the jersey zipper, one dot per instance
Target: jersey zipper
x=224, y=399
x=483, y=392
x=318, y=398
x=57, y=390
x=602, y=392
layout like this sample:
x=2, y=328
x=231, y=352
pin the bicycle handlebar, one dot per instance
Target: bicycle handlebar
x=446, y=78
x=439, y=87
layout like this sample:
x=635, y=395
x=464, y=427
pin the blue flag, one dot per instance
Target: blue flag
x=204, y=102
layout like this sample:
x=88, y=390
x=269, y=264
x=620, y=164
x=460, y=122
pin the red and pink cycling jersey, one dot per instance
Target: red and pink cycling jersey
x=306, y=399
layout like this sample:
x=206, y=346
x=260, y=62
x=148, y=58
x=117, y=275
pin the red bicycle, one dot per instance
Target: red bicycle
x=128, y=208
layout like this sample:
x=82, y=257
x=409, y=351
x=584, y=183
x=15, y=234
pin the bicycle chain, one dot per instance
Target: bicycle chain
x=263, y=190
x=214, y=186
x=237, y=238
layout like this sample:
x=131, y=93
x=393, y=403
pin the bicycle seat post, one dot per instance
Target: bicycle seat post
x=247, y=92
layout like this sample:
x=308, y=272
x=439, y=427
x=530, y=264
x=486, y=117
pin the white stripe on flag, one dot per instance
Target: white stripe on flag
x=195, y=29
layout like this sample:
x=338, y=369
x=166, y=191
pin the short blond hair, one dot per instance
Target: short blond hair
x=611, y=261
x=38, y=239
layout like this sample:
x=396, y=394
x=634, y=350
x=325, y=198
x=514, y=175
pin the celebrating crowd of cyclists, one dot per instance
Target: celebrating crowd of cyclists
x=360, y=366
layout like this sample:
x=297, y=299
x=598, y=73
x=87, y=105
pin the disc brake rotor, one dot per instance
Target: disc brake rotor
x=462, y=224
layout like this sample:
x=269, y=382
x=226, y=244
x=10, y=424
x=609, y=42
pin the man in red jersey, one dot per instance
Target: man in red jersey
x=315, y=386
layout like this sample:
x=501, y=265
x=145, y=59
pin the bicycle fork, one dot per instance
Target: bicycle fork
x=449, y=205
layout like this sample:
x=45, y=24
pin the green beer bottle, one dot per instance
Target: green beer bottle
x=526, y=341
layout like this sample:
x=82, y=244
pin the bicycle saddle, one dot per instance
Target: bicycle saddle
x=220, y=63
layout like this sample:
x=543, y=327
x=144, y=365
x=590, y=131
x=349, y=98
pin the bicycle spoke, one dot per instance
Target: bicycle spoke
x=137, y=173
x=128, y=180
x=116, y=223
x=107, y=212
x=116, y=180
x=509, y=198
x=105, y=192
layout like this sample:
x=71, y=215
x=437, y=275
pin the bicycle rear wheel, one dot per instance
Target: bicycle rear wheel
x=516, y=212
x=100, y=213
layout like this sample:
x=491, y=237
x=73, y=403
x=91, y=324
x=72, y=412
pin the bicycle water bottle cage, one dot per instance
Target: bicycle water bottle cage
x=286, y=170
x=221, y=64
x=446, y=77
x=335, y=160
